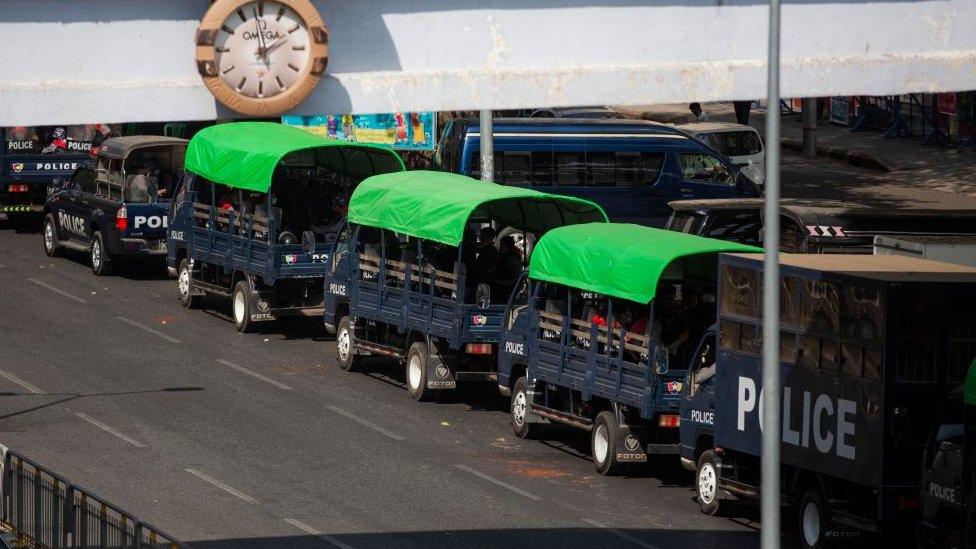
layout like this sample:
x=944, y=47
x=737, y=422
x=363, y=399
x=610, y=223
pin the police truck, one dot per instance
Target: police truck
x=870, y=348
x=31, y=158
x=117, y=210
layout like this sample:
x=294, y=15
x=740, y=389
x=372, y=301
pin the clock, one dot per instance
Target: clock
x=262, y=58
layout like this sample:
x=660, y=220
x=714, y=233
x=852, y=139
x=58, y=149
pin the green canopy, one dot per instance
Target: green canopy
x=617, y=259
x=437, y=205
x=970, y=390
x=245, y=154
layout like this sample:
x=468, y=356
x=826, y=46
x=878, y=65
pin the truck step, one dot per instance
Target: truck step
x=72, y=245
x=563, y=417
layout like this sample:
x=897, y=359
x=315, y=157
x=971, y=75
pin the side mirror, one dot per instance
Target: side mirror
x=660, y=359
x=286, y=238
x=483, y=295
x=308, y=241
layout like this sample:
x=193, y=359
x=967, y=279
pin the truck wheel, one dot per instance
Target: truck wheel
x=520, y=409
x=242, y=307
x=416, y=372
x=184, y=283
x=52, y=246
x=707, y=483
x=101, y=264
x=814, y=518
x=345, y=345
x=603, y=444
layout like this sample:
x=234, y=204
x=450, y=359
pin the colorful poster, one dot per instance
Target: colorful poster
x=412, y=131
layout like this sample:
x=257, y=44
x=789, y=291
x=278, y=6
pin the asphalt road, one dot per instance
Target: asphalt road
x=260, y=440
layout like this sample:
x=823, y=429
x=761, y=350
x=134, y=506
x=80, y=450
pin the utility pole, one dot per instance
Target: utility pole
x=487, y=146
x=810, y=127
x=769, y=490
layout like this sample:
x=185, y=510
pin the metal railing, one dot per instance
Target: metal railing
x=45, y=510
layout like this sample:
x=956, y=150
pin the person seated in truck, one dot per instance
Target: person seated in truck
x=508, y=268
x=486, y=260
x=138, y=183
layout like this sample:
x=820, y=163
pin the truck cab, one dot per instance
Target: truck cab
x=118, y=210
x=696, y=429
x=946, y=492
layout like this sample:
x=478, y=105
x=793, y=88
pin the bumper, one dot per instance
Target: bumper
x=8, y=210
x=140, y=247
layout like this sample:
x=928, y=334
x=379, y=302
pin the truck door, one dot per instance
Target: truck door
x=942, y=468
x=74, y=208
x=698, y=406
x=515, y=327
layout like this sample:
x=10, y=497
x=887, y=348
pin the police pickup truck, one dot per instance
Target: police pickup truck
x=31, y=159
x=870, y=346
x=119, y=209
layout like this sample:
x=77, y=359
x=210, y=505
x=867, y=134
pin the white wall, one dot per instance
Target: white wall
x=109, y=60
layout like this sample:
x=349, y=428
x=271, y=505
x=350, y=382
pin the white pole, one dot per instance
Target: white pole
x=487, y=147
x=770, y=492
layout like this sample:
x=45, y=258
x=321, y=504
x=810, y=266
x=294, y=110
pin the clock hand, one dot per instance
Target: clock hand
x=262, y=51
x=277, y=43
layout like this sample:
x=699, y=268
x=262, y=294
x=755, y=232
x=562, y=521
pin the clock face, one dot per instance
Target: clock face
x=262, y=49
x=262, y=57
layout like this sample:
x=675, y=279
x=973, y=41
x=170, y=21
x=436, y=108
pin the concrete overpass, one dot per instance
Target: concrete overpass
x=104, y=60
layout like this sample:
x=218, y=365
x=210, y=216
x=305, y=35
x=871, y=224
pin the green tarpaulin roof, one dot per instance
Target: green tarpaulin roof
x=970, y=390
x=617, y=259
x=437, y=205
x=245, y=154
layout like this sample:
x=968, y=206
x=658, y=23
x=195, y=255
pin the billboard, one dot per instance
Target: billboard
x=411, y=131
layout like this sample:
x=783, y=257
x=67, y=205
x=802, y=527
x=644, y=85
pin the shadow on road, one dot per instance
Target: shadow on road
x=68, y=397
x=592, y=537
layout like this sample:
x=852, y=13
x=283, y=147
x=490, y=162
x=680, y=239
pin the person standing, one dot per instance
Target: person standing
x=742, y=110
x=697, y=112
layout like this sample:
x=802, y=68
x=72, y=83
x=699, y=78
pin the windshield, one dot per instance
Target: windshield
x=737, y=143
x=685, y=222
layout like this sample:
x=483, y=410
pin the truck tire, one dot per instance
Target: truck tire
x=603, y=444
x=706, y=476
x=813, y=518
x=241, y=307
x=52, y=244
x=416, y=372
x=346, y=345
x=520, y=409
x=184, y=285
x=101, y=263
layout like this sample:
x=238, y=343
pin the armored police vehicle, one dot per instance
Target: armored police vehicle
x=870, y=346
x=420, y=288
x=258, y=210
x=947, y=492
x=594, y=327
x=117, y=210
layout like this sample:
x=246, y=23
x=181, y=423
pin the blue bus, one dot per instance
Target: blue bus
x=632, y=168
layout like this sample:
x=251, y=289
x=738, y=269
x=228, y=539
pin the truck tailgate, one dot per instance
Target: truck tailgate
x=147, y=221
